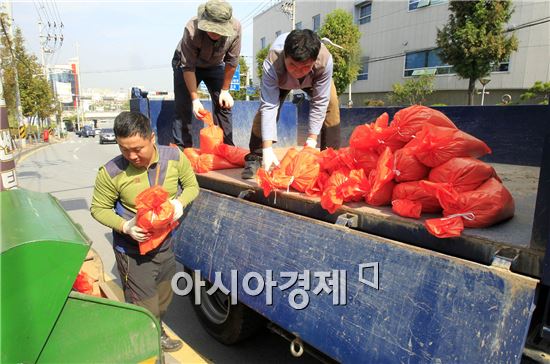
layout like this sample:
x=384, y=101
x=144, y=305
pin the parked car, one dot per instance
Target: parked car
x=97, y=131
x=107, y=135
x=87, y=131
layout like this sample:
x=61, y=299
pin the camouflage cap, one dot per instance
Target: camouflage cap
x=216, y=16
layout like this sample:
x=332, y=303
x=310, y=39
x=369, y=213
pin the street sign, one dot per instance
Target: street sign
x=236, y=80
x=251, y=90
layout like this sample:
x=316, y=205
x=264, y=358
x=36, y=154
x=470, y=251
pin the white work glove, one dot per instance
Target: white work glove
x=137, y=233
x=178, y=209
x=269, y=158
x=226, y=100
x=311, y=143
x=197, y=107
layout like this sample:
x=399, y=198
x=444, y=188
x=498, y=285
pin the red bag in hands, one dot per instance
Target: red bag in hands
x=304, y=169
x=435, y=145
x=211, y=162
x=407, y=208
x=381, y=180
x=193, y=155
x=278, y=177
x=445, y=227
x=154, y=215
x=415, y=191
x=376, y=136
x=464, y=174
x=210, y=136
x=410, y=121
x=232, y=154
x=407, y=167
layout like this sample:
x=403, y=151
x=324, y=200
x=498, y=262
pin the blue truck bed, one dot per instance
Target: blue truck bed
x=429, y=304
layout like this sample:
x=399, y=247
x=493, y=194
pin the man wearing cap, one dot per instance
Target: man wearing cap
x=296, y=60
x=208, y=51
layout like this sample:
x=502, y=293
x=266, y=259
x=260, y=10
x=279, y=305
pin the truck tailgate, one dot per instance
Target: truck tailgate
x=423, y=307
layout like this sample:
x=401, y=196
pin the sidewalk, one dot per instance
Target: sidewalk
x=29, y=147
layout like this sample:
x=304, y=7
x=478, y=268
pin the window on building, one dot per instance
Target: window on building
x=503, y=66
x=262, y=43
x=277, y=33
x=416, y=4
x=298, y=25
x=316, y=22
x=364, y=71
x=425, y=62
x=362, y=12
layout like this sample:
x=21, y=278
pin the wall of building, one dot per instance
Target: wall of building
x=394, y=31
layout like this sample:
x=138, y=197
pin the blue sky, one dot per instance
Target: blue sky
x=139, y=36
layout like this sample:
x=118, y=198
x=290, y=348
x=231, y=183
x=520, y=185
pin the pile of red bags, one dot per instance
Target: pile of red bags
x=213, y=154
x=419, y=163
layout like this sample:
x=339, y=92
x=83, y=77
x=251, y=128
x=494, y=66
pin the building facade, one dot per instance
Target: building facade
x=398, y=40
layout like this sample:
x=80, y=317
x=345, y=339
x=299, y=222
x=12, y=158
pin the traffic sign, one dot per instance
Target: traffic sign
x=251, y=90
x=236, y=80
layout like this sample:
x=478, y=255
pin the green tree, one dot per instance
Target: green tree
x=340, y=29
x=260, y=58
x=473, y=40
x=37, y=99
x=413, y=91
x=540, y=90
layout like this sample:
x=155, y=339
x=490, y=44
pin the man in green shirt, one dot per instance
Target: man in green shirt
x=145, y=278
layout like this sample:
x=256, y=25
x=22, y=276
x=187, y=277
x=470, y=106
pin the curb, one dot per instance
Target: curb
x=31, y=149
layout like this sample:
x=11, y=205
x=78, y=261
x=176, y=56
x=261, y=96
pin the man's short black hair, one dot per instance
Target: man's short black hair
x=130, y=123
x=302, y=45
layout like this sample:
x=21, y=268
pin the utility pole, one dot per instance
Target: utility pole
x=8, y=33
x=328, y=41
x=289, y=8
x=77, y=86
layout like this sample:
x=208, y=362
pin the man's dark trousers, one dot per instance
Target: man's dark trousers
x=181, y=128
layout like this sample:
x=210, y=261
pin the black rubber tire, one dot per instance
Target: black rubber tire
x=226, y=323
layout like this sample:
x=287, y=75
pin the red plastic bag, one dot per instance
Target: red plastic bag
x=365, y=159
x=376, y=136
x=435, y=145
x=355, y=187
x=278, y=178
x=331, y=160
x=193, y=155
x=232, y=154
x=210, y=136
x=464, y=174
x=485, y=206
x=331, y=200
x=410, y=121
x=211, y=162
x=407, y=208
x=317, y=188
x=304, y=169
x=407, y=167
x=446, y=227
x=381, y=180
x=415, y=191
x=154, y=215
x=84, y=283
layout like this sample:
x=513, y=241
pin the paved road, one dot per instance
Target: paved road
x=67, y=170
